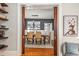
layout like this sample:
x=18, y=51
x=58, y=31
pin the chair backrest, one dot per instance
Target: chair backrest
x=30, y=35
x=38, y=35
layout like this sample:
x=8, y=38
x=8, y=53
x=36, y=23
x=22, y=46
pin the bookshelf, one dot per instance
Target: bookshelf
x=3, y=11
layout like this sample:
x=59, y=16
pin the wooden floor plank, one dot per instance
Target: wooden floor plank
x=39, y=52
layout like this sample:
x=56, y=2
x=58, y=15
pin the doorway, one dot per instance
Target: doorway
x=34, y=24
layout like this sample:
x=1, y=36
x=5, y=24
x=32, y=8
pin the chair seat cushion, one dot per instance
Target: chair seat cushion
x=38, y=39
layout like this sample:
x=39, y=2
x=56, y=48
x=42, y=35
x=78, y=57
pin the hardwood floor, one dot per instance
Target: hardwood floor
x=39, y=52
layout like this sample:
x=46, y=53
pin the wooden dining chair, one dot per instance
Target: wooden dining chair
x=47, y=39
x=38, y=37
x=30, y=39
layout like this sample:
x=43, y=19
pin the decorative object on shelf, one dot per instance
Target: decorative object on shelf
x=2, y=27
x=0, y=6
x=2, y=33
x=3, y=11
x=3, y=17
x=3, y=8
x=3, y=46
x=70, y=25
x=4, y=4
x=3, y=38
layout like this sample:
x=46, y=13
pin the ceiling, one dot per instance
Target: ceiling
x=40, y=6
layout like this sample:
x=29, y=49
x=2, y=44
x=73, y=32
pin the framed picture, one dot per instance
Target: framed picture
x=47, y=28
x=70, y=25
x=37, y=25
x=30, y=25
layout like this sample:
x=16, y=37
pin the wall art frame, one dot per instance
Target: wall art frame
x=70, y=25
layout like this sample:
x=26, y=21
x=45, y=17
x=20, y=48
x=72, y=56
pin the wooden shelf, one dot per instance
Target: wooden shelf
x=3, y=19
x=3, y=11
x=3, y=38
x=4, y=5
x=3, y=46
x=4, y=28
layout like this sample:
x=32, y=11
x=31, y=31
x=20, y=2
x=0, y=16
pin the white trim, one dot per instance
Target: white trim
x=8, y=53
x=19, y=30
x=60, y=29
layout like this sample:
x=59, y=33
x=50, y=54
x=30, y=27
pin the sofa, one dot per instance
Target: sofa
x=70, y=49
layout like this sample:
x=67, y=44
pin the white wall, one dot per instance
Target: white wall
x=12, y=33
x=19, y=30
x=43, y=13
x=66, y=9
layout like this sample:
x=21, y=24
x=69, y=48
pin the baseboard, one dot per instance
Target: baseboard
x=8, y=53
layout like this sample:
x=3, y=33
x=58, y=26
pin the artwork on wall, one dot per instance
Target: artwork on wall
x=47, y=28
x=33, y=25
x=37, y=25
x=30, y=25
x=41, y=21
x=70, y=25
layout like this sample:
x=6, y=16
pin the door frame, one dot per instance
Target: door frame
x=23, y=29
x=55, y=30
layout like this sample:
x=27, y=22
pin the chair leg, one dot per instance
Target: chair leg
x=27, y=41
x=44, y=41
x=32, y=41
x=40, y=41
x=36, y=41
